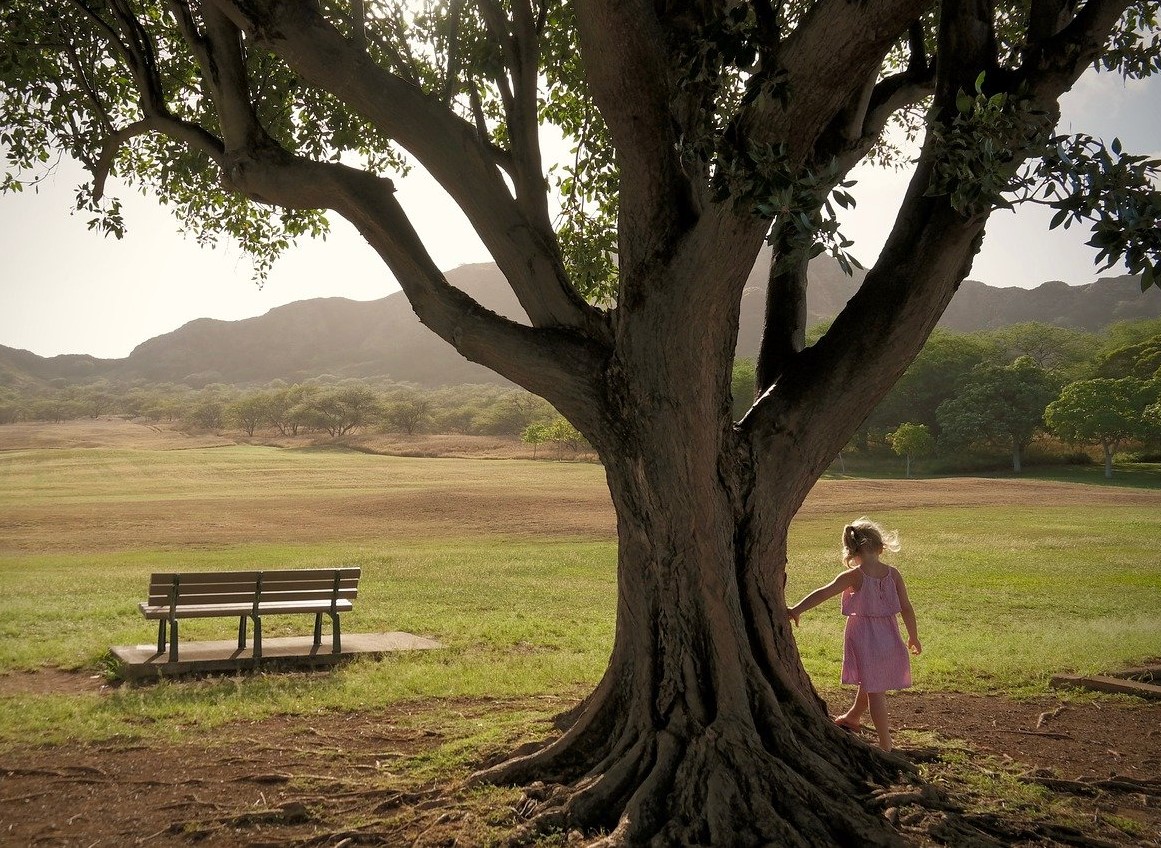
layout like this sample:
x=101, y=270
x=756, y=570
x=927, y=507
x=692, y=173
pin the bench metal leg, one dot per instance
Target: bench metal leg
x=173, y=641
x=257, y=636
x=161, y=636
x=241, y=632
x=336, y=634
x=318, y=629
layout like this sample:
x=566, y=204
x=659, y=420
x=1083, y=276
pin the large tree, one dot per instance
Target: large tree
x=1000, y=405
x=702, y=129
x=1103, y=411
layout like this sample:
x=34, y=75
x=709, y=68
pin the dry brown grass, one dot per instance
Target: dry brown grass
x=350, y=498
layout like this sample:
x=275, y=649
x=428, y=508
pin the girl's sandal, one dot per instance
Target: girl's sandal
x=847, y=727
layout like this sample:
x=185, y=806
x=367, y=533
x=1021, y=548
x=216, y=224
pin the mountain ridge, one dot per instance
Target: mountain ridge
x=384, y=338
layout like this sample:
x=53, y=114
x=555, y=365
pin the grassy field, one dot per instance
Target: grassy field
x=511, y=565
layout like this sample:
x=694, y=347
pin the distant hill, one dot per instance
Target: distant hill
x=383, y=338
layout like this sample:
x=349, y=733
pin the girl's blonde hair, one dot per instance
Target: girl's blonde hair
x=865, y=533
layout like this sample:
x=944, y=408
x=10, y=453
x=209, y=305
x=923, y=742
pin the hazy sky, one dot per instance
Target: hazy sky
x=64, y=289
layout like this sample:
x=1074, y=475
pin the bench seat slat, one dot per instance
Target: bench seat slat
x=226, y=610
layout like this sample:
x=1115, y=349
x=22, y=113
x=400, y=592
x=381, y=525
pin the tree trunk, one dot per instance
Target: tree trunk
x=705, y=729
x=1108, y=449
x=1017, y=456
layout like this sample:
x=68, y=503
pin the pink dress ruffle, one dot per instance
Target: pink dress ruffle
x=874, y=654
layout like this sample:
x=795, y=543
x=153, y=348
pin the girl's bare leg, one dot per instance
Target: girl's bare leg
x=878, y=704
x=854, y=715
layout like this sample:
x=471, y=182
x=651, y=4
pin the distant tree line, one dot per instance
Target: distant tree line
x=968, y=398
x=325, y=405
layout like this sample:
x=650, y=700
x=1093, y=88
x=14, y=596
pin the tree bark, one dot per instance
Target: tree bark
x=703, y=730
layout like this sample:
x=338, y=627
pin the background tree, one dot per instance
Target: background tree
x=702, y=130
x=287, y=405
x=251, y=411
x=1000, y=405
x=1141, y=360
x=1125, y=333
x=565, y=436
x=912, y=440
x=339, y=411
x=1101, y=411
x=936, y=375
x=12, y=406
x=407, y=412
x=206, y=410
x=1059, y=350
x=535, y=434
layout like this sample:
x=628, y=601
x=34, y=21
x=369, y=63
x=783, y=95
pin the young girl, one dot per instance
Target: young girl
x=874, y=656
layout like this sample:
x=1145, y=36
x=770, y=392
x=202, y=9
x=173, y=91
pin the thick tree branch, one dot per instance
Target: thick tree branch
x=815, y=56
x=189, y=134
x=784, y=330
x=623, y=48
x=1053, y=64
x=224, y=69
x=447, y=146
x=557, y=364
x=359, y=24
x=452, y=71
x=930, y=249
x=519, y=44
x=1048, y=17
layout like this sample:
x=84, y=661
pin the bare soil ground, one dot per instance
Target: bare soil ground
x=340, y=779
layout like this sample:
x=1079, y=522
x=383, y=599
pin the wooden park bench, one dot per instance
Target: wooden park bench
x=250, y=594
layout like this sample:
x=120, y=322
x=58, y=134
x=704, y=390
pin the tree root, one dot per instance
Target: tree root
x=984, y=830
x=1094, y=787
x=290, y=813
x=668, y=790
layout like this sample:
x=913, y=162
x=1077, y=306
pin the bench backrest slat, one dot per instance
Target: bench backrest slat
x=239, y=587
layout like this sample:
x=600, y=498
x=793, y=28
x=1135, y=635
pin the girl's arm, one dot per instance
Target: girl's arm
x=837, y=586
x=908, y=613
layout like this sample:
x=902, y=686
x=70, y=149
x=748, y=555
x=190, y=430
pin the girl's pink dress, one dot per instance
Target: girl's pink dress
x=874, y=655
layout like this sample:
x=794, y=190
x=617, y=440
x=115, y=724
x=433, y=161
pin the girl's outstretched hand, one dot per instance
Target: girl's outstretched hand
x=793, y=612
x=915, y=647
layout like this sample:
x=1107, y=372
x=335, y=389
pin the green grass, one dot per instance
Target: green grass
x=1006, y=596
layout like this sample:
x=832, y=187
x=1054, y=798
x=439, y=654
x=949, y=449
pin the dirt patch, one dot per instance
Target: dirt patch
x=52, y=681
x=322, y=779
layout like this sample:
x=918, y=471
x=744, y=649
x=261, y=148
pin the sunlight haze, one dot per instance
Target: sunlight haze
x=64, y=289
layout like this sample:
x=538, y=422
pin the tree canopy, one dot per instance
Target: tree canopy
x=1102, y=411
x=701, y=130
x=1000, y=404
